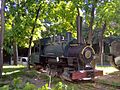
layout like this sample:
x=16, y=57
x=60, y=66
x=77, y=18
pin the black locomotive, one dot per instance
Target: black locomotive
x=67, y=57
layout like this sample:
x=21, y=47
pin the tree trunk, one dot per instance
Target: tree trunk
x=29, y=50
x=90, y=34
x=15, y=53
x=101, y=53
x=1, y=35
x=101, y=43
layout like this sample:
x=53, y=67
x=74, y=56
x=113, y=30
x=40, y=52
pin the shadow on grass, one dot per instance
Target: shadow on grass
x=10, y=73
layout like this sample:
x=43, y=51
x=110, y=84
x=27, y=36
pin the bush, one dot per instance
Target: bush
x=17, y=84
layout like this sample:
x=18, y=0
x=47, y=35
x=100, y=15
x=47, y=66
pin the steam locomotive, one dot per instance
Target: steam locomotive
x=67, y=57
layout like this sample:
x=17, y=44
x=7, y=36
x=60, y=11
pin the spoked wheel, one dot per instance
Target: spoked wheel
x=115, y=62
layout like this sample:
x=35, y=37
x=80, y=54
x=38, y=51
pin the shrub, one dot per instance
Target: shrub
x=17, y=84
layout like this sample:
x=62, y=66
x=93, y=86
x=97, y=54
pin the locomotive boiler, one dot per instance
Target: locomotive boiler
x=67, y=57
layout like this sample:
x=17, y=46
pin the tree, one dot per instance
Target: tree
x=106, y=13
x=61, y=18
x=1, y=35
x=31, y=37
x=20, y=17
x=57, y=17
x=90, y=35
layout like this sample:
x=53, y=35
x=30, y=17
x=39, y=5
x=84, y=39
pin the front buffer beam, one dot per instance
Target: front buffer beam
x=82, y=74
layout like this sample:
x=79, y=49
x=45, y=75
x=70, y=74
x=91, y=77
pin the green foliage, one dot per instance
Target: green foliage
x=29, y=86
x=45, y=87
x=20, y=17
x=19, y=85
x=56, y=17
x=106, y=12
x=61, y=17
x=30, y=74
x=60, y=86
x=5, y=87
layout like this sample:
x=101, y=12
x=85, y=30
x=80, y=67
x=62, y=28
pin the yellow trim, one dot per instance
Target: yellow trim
x=87, y=47
x=73, y=44
x=88, y=54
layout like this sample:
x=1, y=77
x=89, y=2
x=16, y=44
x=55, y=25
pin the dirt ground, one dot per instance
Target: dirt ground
x=111, y=81
x=106, y=82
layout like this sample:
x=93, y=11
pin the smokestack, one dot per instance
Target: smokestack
x=69, y=36
x=59, y=38
x=79, y=27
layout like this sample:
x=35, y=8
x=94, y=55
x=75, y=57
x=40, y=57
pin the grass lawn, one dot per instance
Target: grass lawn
x=12, y=69
x=106, y=69
x=40, y=79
